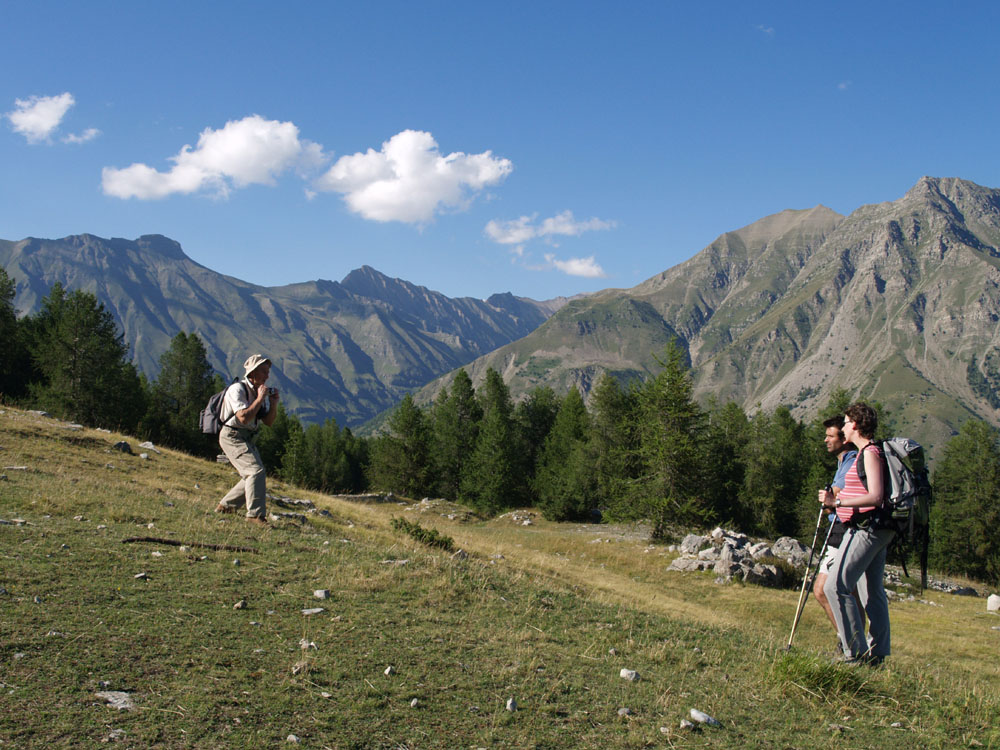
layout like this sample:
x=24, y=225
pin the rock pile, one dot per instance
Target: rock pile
x=732, y=556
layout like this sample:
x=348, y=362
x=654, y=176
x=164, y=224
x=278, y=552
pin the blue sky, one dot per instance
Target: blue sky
x=539, y=148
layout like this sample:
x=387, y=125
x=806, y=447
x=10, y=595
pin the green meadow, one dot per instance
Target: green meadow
x=117, y=576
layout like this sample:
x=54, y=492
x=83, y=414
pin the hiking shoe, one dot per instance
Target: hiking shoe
x=258, y=520
x=220, y=508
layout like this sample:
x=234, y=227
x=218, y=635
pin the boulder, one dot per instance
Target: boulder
x=993, y=603
x=692, y=543
x=791, y=549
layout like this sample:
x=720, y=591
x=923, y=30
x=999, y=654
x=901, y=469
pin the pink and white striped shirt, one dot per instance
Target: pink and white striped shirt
x=853, y=486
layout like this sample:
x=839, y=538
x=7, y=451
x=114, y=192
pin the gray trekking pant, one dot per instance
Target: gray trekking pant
x=238, y=445
x=861, y=560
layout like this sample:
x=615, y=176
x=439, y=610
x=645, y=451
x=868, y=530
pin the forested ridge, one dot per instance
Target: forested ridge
x=639, y=451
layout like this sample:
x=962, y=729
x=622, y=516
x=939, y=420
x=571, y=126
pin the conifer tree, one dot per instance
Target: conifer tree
x=177, y=396
x=966, y=516
x=614, y=443
x=15, y=366
x=565, y=483
x=777, y=460
x=456, y=416
x=81, y=357
x=726, y=439
x=400, y=460
x=533, y=419
x=490, y=481
x=670, y=488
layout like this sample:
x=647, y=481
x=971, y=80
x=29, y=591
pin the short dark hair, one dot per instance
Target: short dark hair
x=838, y=422
x=864, y=417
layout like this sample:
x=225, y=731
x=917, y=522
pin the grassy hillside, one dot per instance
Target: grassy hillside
x=545, y=614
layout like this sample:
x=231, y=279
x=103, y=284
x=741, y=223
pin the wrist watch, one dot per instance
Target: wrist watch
x=837, y=502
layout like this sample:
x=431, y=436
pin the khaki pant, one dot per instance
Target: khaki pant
x=238, y=445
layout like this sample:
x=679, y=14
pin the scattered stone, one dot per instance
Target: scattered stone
x=307, y=645
x=77, y=518
x=696, y=650
x=115, y=735
x=791, y=549
x=389, y=671
x=292, y=738
x=624, y=711
x=241, y=604
x=38, y=600
x=629, y=674
x=300, y=666
x=149, y=446
x=123, y=447
x=101, y=526
x=511, y=705
x=254, y=623
x=896, y=725
x=19, y=655
x=395, y=562
x=150, y=525
x=104, y=684
x=702, y=718
x=15, y=468
x=322, y=593
x=141, y=576
x=613, y=651
x=995, y=627
x=61, y=546
x=330, y=695
x=993, y=603
x=692, y=544
x=144, y=456
x=414, y=703
x=460, y=555
x=313, y=611
x=236, y=562
x=117, y=699
x=685, y=724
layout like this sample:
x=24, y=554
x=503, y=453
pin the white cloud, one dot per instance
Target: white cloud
x=251, y=151
x=87, y=135
x=586, y=267
x=844, y=85
x=518, y=231
x=768, y=30
x=37, y=117
x=409, y=180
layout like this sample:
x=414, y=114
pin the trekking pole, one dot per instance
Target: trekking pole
x=805, y=577
x=815, y=573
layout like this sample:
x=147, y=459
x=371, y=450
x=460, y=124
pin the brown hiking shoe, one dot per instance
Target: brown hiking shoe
x=220, y=508
x=259, y=520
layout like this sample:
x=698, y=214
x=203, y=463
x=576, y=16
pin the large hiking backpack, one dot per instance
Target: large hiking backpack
x=906, y=496
x=210, y=417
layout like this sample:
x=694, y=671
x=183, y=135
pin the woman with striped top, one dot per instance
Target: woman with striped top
x=863, y=550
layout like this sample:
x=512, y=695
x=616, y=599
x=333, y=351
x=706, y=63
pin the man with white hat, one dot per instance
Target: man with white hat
x=248, y=404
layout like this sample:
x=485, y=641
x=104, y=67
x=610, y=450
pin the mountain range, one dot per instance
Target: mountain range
x=346, y=350
x=898, y=301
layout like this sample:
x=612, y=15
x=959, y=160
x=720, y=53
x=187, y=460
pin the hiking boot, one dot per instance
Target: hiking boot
x=220, y=508
x=258, y=520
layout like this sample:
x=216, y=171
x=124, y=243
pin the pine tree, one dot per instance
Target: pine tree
x=965, y=516
x=400, y=460
x=15, y=369
x=726, y=439
x=456, y=416
x=81, y=357
x=566, y=482
x=671, y=486
x=183, y=387
x=777, y=463
x=614, y=444
x=490, y=481
x=533, y=420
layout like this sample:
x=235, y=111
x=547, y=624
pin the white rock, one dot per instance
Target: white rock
x=292, y=738
x=321, y=593
x=685, y=724
x=389, y=671
x=141, y=577
x=702, y=718
x=511, y=704
x=307, y=645
x=313, y=611
x=993, y=603
x=117, y=699
x=414, y=703
x=624, y=711
x=629, y=674
x=241, y=604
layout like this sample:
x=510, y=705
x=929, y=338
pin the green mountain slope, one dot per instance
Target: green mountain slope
x=898, y=301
